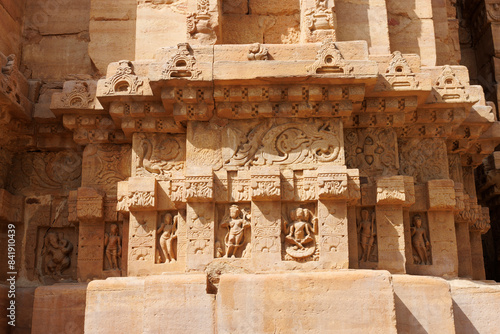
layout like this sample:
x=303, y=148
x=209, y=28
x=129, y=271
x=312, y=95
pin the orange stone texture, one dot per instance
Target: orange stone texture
x=249, y=166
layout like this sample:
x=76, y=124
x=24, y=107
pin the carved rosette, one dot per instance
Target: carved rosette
x=441, y=195
x=265, y=187
x=391, y=190
x=199, y=188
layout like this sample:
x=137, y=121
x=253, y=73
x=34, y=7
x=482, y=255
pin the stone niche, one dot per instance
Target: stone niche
x=57, y=253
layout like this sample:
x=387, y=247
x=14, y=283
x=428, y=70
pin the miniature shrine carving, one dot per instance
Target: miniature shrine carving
x=300, y=233
x=167, y=238
x=420, y=242
x=113, y=244
x=329, y=60
x=320, y=22
x=182, y=64
x=366, y=229
x=236, y=223
x=124, y=81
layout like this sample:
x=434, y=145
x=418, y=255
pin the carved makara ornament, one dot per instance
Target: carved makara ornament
x=329, y=60
x=124, y=81
x=79, y=97
x=399, y=74
x=182, y=64
x=271, y=143
x=300, y=233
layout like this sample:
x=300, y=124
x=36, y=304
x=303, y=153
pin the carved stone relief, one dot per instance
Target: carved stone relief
x=105, y=165
x=300, y=229
x=51, y=172
x=166, y=235
x=182, y=64
x=158, y=155
x=200, y=229
x=258, y=52
x=320, y=21
x=199, y=25
x=113, y=246
x=285, y=142
x=424, y=159
x=367, y=235
x=233, y=234
x=421, y=247
x=329, y=60
x=56, y=253
x=124, y=81
x=399, y=75
x=266, y=227
x=448, y=88
x=141, y=238
x=373, y=151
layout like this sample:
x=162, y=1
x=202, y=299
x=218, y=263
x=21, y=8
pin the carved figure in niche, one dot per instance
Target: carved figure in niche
x=168, y=233
x=57, y=253
x=113, y=243
x=300, y=233
x=238, y=220
x=419, y=241
x=218, y=250
x=366, y=232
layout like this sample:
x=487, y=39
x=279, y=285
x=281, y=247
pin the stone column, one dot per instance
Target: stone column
x=462, y=234
x=391, y=196
x=90, y=215
x=266, y=216
x=200, y=217
x=332, y=212
x=441, y=203
x=139, y=196
x=476, y=246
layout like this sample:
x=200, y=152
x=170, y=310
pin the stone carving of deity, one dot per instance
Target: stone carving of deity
x=168, y=233
x=113, y=243
x=366, y=232
x=236, y=224
x=300, y=233
x=419, y=241
x=57, y=253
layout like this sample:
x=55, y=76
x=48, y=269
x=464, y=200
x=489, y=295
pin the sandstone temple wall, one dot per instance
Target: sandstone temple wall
x=253, y=166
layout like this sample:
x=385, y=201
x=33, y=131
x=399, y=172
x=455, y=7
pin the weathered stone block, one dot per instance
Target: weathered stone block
x=59, y=308
x=441, y=195
x=475, y=306
x=423, y=304
x=115, y=305
x=341, y=301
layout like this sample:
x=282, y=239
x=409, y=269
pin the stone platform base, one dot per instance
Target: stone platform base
x=344, y=301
